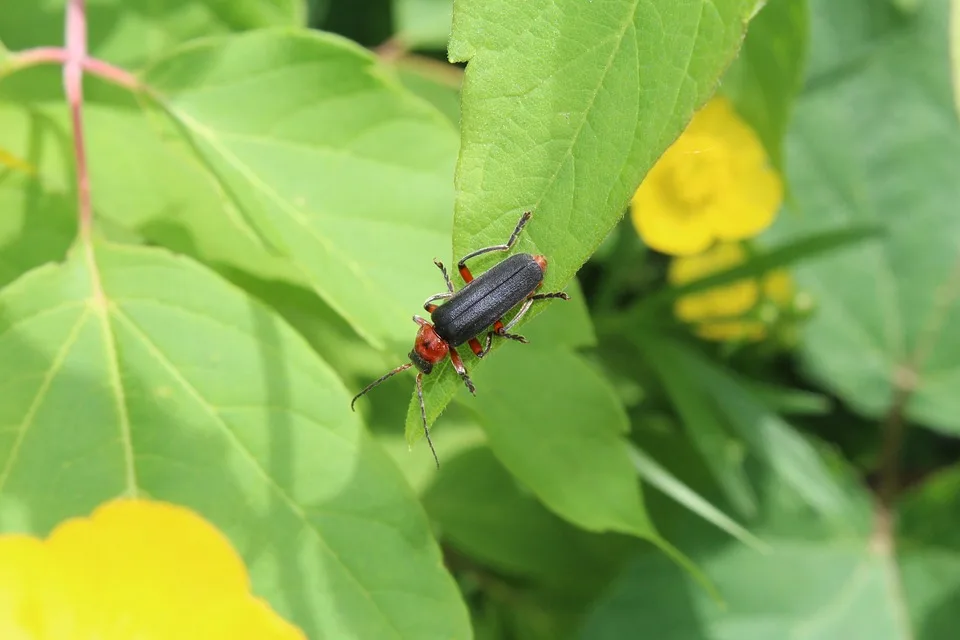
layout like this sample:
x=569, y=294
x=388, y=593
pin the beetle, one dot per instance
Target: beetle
x=463, y=315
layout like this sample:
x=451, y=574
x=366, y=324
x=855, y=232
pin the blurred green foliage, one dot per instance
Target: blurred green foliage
x=267, y=202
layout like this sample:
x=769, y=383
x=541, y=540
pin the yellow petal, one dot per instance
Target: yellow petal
x=720, y=258
x=778, y=288
x=748, y=207
x=720, y=302
x=713, y=183
x=732, y=330
x=127, y=538
x=133, y=569
x=755, y=191
x=663, y=229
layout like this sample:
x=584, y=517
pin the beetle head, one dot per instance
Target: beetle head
x=428, y=349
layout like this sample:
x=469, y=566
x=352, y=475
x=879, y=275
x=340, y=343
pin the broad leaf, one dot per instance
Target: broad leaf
x=888, y=311
x=128, y=371
x=132, y=32
x=334, y=164
x=823, y=578
x=142, y=179
x=565, y=116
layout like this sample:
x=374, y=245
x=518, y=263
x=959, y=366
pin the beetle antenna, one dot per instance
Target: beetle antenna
x=402, y=367
x=423, y=416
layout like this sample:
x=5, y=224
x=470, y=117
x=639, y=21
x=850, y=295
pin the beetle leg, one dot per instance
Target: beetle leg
x=477, y=348
x=430, y=307
x=548, y=296
x=485, y=349
x=461, y=370
x=462, y=266
x=423, y=416
x=446, y=276
x=502, y=330
x=513, y=321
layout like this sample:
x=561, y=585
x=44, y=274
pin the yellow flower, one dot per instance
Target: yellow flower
x=713, y=183
x=133, y=569
x=743, y=310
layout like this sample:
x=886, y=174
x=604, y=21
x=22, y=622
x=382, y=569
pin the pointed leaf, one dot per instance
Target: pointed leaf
x=661, y=478
x=565, y=116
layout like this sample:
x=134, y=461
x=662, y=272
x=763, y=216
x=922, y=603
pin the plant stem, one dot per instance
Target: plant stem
x=76, y=39
x=892, y=443
x=93, y=66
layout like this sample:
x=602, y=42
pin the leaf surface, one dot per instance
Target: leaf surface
x=329, y=159
x=822, y=580
x=888, y=311
x=767, y=75
x=128, y=371
x=132, y=32
x=565, y=116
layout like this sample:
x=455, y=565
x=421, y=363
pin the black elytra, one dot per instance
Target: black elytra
x=463, y=315
x=487, y=298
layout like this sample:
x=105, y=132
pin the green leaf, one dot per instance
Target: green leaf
x=771, y=439
x=471, y=499
x=843, y=36
x=142, y=178
x=566, y=116
x=329, y=159
x=575, y=423
x=128, y=371
x=888, y=311
x=723, y=454
x=132, y=32
x=824, y=579
x=787, y=400
x=928, y=546
x=559, y=428
x=819, y=581
x=436, y=82
x=36, y=225
x=765, y=78
x=458, y=435
x=423, y=24
x=955, y=50
x=661, y=478
x=908, y=6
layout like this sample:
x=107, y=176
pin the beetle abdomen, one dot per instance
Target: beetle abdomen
x=487, y=298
